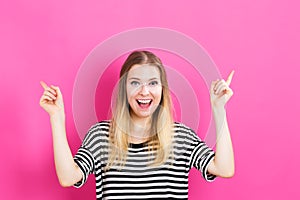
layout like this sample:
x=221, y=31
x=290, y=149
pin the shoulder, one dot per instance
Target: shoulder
x=98, y=132
x=182, y=128
x=101, y=126
x=183, y=131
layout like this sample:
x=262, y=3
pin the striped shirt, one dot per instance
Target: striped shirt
x=138, y=179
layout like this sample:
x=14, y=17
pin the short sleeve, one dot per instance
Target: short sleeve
x=85, y=162
x=86, y=155
x=201, y=156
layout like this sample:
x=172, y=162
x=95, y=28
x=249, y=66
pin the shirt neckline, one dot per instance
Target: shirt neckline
x=138, y=145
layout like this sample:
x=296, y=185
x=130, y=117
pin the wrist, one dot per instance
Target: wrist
x=219, y=114
x=218, y=109
x=59, y=116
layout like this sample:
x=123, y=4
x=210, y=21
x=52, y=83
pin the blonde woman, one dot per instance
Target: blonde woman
x=141, y=153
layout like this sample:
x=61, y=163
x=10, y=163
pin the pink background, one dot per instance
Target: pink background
x=48, y=40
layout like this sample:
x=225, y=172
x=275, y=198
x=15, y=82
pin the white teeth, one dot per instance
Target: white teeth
x=144, y=101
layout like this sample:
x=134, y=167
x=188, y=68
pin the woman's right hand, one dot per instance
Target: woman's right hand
x=52, y=100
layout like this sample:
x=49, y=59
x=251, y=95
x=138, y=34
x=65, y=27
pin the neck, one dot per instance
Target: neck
x=139, y=130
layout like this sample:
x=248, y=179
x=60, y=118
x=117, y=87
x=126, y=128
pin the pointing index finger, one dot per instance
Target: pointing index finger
x=44, y=85
x=228, y=81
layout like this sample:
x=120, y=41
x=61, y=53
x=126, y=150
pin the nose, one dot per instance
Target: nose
x=144, y=90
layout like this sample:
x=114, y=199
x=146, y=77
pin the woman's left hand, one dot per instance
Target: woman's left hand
x=220, y=92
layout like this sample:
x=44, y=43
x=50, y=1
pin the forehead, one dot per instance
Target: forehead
x=144, y=72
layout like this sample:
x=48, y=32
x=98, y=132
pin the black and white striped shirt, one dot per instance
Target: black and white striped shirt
x=138, y=179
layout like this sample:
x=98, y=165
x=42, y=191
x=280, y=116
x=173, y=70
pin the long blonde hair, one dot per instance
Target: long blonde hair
x=161, y=120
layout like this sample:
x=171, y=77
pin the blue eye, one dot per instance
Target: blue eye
x=153, y=83
x=134, y=83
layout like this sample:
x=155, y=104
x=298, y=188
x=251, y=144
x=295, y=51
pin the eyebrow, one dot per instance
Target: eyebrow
x=134, y=78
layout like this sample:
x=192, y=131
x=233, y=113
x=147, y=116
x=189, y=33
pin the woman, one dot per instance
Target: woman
x=141, y=153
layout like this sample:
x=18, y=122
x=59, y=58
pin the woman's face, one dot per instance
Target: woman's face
x=144, y=90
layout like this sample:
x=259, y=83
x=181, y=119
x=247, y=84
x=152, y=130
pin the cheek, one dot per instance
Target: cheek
x=128, y=92
x=157, y=94
x=130, y=96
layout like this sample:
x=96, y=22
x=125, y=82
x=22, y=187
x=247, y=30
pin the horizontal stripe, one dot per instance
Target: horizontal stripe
x=137, y=179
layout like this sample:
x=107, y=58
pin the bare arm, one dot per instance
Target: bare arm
x=52, y=102
x=223, y=163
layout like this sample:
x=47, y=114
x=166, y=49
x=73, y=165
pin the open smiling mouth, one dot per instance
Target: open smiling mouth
x=144, y=103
